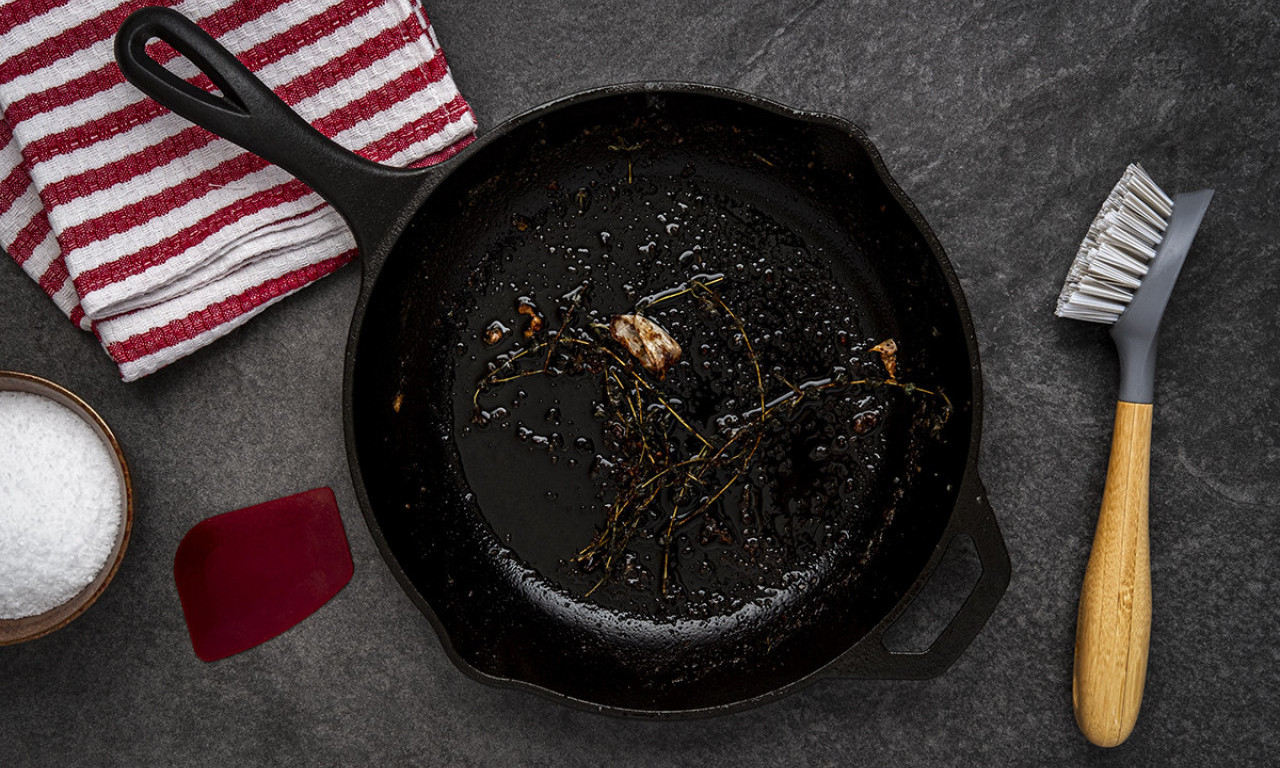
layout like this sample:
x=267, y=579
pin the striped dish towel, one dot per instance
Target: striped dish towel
x=156, y=235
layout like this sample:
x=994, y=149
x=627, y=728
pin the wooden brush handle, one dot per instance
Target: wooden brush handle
x=1113, y=628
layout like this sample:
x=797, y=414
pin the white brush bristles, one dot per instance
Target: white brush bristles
x=1115, y=253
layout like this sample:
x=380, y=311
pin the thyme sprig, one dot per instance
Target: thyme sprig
x=659, y=456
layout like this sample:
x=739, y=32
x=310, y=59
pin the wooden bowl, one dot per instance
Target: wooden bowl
x=30, y=627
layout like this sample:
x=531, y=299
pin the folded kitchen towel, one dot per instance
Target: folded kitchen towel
x=153, y=233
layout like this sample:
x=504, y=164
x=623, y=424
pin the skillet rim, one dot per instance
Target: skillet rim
x=380, y=246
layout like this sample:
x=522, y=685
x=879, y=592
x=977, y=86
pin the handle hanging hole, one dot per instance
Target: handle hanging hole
x=180, y=66
x=938, y=601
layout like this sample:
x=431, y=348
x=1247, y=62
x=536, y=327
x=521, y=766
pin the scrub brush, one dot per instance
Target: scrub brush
x=1122, y=276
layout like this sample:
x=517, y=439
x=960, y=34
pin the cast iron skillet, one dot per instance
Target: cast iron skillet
x=472, y=522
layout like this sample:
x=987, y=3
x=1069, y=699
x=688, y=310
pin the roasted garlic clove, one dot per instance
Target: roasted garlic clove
x=525, y=306
x=888, y=350
x=495, y=332
x=647, y=342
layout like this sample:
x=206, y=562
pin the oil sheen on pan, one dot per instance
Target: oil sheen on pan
x=744, y=462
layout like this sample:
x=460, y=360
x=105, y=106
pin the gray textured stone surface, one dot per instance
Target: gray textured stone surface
x=1006, y=123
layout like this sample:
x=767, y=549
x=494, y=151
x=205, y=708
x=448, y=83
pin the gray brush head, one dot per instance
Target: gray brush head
x=1126, y=268
x=1117, y=251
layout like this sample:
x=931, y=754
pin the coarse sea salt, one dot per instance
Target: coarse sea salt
x=61, y=499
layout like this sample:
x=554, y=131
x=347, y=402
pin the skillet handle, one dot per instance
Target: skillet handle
x=251, y=115
x=973, y=516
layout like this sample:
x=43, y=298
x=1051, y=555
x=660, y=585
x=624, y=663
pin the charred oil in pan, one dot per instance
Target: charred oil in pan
x=544, y=453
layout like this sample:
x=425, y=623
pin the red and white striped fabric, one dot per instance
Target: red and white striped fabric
x=160, y=237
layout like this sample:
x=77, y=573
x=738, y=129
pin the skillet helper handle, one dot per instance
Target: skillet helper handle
x=248, y=113
x=975, y=518
x=1113, y=629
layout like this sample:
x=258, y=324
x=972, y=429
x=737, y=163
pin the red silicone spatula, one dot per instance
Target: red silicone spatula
x=246, y=576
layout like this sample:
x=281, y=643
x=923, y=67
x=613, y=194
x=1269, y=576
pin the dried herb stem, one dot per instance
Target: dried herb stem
x=649, y=465
x=622, y=146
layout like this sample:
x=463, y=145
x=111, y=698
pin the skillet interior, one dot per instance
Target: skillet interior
x=478, y=520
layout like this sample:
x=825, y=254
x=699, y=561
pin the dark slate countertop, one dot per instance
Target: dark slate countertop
x=1006, y=123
